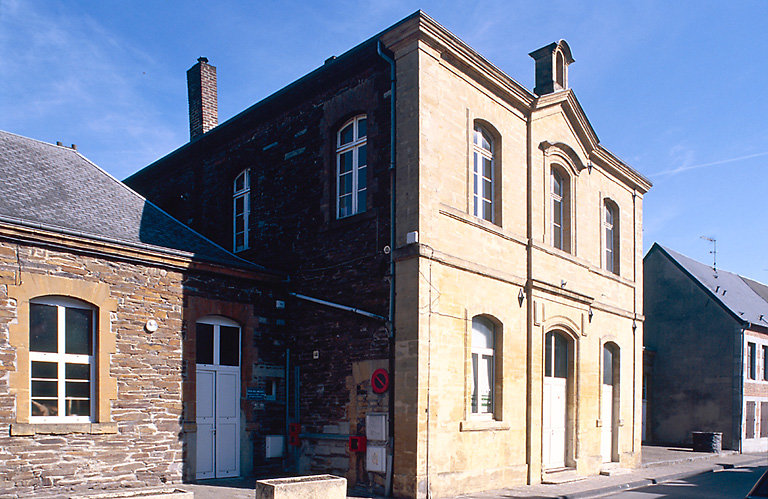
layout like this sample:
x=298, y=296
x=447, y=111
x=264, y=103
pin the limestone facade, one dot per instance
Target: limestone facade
x=529, y=266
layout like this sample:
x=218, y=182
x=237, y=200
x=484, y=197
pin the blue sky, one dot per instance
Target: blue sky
x=676, y=89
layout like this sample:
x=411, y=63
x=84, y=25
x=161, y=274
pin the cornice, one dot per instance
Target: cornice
x=421, y=27
x=589, y=140
x=147, y=255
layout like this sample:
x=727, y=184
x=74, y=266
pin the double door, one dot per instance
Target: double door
x=218, y=399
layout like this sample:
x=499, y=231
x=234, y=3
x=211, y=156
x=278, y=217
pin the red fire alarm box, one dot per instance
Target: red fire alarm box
x=356, y=444
x=293, y=440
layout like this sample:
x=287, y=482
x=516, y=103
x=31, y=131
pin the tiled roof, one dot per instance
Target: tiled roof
x=745, y=298
x=57, y=188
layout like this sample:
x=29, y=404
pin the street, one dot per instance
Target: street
x=732, y=483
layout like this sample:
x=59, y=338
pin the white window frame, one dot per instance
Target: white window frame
x=483, y=362
x=355, y=146
x=62, y=359
x=217, y=322
x=611, y=244
x=244, y=194
x=751, y=366
x=558, y=200
x=479, y=153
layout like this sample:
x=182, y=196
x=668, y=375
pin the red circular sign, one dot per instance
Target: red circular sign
x=380, y=381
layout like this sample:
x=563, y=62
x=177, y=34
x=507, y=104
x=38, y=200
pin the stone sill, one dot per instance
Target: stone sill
x=26, y=429
x=483, y=425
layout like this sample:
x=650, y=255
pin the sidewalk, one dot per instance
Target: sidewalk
x=659, y=464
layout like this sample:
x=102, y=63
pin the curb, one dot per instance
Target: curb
x=608, y=490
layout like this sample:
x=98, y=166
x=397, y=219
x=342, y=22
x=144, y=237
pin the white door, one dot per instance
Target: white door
x=553, y=451
x=554, y=401
x=606, y=417
x=218, y=398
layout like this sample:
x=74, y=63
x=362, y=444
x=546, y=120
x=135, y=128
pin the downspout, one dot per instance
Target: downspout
x=634, y=323
x=741, y=376
x=391, y=318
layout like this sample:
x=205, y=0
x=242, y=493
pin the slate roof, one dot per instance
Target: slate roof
x=56, y=188
x=745, y=298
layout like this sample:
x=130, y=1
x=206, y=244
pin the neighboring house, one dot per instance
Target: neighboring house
x=708, y=331
x=486, y=247
x=115, y=322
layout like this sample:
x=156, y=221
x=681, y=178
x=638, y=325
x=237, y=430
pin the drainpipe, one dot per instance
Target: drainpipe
x=742, y=375
x=391, y=318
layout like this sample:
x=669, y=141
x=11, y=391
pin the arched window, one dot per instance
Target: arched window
x=61, y=356
x=483, y=175
x=560, y=70
x=352, y=167
x=560, y=210
x=483, y=368
x=241, y=210
x=611, y=229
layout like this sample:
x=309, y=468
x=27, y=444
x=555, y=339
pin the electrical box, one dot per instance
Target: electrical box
x=412, y=237
x=275, y=445
x=376, y=458
x=377, y=426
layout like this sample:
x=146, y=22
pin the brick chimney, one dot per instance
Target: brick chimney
x=552, y=67
x=203, y=100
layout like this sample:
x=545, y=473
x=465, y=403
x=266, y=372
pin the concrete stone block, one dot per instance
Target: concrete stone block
x=302, y=487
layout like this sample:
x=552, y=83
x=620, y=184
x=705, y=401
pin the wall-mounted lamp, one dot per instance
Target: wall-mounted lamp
x=634, y=326
x=563, y=282
x=590, y=314
x=589, y=167
x=520, y=297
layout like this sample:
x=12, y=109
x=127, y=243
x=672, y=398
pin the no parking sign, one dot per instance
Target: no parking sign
x=380, y=381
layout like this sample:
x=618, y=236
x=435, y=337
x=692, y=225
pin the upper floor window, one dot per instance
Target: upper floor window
x=751, y=360
x=352, y=167
x=61, y=346
x=483, y=366
x=241, y=210
x=765, y=364
x=611, y=229
x=483, y=176
x=558, y=195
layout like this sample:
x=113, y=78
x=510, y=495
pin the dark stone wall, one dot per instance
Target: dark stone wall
x=694, y=383
x=288, y=142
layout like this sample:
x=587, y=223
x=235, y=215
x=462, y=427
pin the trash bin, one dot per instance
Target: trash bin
x=707, y=441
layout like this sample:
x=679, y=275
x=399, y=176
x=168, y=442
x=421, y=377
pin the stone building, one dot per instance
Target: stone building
x=113, y=317
x=441, y=222
x=708, y=331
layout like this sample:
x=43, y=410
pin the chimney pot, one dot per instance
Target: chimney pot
x=58, y=143
x=203, y=99
x=74, y=147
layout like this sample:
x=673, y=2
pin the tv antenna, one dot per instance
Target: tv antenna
x=713, y=252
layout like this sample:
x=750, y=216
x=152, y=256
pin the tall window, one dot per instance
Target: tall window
x=61, y=332
x=751, y=360
x=611, y=227
x=241, y=210
x=352, y=167
x=555, y=355
x=482, y=175
x=765, y=365
x=558, y=189
x=483, y=376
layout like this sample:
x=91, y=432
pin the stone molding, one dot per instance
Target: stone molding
x=95, y=293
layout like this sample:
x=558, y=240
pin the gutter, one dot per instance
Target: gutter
x=391, y=318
